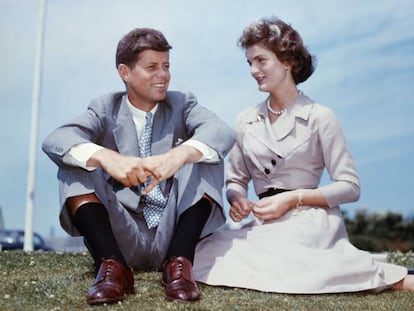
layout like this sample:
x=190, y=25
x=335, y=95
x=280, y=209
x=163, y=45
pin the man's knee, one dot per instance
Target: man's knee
x=73, y=203
x=209, y=199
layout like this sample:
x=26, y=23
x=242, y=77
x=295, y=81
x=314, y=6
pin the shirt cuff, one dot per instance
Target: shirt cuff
x=78, y=155
x=209, y=154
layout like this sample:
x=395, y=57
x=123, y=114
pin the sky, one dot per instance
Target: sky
x=365, y=73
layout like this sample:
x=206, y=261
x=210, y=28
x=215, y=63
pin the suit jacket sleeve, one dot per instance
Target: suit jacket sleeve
x=87, y=127
x=205, y=126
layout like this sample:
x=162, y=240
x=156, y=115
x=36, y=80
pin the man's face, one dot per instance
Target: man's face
x=147, y=82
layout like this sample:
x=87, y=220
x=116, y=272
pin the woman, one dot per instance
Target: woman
x=297, y=241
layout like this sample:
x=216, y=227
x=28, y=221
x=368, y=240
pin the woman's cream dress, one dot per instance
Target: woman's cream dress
x=306, y=252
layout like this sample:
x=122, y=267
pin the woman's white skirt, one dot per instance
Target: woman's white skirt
x=304, y=254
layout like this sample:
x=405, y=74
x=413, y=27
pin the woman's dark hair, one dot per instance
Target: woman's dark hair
x=280, y=38
x=138, y=40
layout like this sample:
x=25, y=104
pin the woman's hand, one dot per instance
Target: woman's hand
x=274, y=207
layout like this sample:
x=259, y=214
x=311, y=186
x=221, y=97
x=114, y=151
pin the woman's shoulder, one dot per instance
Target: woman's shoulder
x=324, y=118
x=317, y=114
x=251, y=114
x=322, y=111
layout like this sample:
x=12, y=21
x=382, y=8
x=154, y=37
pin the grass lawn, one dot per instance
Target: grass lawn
x=59, y=281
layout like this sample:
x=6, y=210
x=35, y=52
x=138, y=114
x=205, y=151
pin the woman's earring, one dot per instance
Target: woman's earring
x=286, y=67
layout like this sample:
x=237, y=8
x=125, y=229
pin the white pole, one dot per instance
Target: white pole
x=1, y=219
x=31, y=174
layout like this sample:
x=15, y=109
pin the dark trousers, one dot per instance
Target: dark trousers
x=92, y=221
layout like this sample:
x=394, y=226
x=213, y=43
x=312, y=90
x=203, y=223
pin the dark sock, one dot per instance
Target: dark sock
x=92, y=221
x=188, y=230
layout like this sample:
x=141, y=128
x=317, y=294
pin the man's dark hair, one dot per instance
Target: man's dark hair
x=138, y=40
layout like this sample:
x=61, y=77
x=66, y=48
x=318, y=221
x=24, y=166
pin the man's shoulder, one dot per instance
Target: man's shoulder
x=181, y=96
x=178, y=100
x=108, y=98
x=106, y=103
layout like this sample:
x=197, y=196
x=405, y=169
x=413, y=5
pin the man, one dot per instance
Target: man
x=141, y=175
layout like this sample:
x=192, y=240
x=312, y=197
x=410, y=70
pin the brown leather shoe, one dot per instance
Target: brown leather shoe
x=113, y=282
x=178, y=280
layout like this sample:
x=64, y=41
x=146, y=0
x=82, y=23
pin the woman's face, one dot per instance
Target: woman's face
x=265, y=67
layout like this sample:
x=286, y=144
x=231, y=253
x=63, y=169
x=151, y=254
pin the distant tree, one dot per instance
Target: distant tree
x=379, y=232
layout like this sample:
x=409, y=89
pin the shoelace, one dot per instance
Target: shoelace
x=180, y=269
x=107, y=269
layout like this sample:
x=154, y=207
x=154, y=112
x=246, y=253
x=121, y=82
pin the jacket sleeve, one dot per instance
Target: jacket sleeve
x=86, y=128
x=345, y=186
x=205, y=126
x=238, y=176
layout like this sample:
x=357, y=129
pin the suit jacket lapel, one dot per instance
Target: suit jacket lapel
x=299, y=109
x=125, y=134
x=162, y=130
x=126, y=140
x=260, y=128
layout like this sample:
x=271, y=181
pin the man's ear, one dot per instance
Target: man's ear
x=123, y=72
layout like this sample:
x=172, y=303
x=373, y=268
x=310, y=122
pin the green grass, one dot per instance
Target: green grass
x=59, y=281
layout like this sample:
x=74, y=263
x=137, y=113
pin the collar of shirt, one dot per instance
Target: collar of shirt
x=138, y=116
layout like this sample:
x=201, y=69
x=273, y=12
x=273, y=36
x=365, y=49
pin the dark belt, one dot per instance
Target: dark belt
x=272, y=191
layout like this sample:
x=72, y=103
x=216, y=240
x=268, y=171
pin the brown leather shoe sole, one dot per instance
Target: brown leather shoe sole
x=114, y=299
